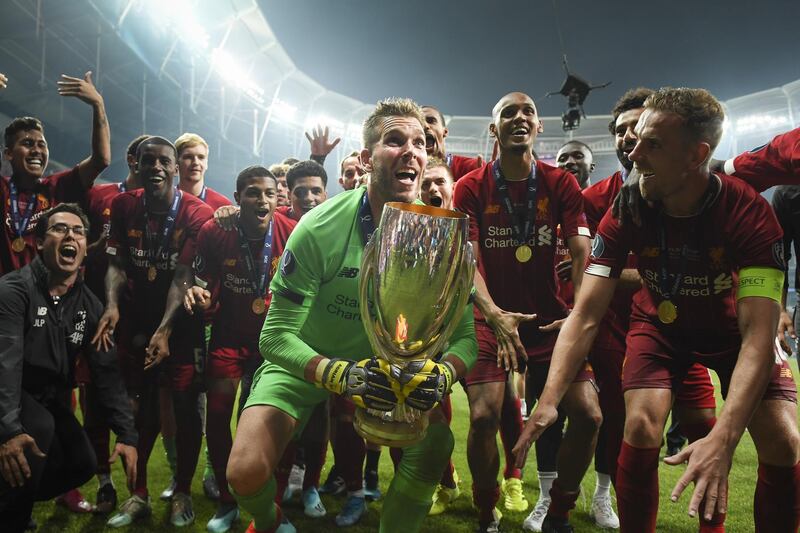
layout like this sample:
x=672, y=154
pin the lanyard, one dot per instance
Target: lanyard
x=122, y=187
x=667, y=291
x=166, y=228
x=202, y=194
x=258, y=283
x=524, y=230
x=365, y=221
x=20, y=223
x=449, y=160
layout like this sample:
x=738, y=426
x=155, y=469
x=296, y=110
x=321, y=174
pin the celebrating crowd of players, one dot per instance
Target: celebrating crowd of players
x=163, y=300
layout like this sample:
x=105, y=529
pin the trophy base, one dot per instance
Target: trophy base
x=387, y=432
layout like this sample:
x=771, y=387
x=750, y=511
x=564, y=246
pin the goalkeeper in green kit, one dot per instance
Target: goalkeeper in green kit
x=314, y=342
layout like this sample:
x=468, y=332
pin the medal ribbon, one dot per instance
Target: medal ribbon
x=122, y=187
x=365, y=221
x=666, y=291
x=166, y=229
x=521, y=231
x=258, y=283
x=20, y=223
x=202, y=194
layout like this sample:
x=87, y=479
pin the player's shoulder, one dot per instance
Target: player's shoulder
x=211, y=230
x=55, y=176
x=16, y=285
x=283, y=222
x=126, y=200
x=475, y=177
x=605, y=187
x=196, y=206
x=216, y=199
x=324, y=218
x=734, y=190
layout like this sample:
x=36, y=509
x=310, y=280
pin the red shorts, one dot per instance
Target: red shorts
x=486, y=370
x=232, y=362
x=654, y=361
x=537, y=376
x=184, y=366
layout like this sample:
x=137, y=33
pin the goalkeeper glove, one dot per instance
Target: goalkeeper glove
x=367, y=382
x=425, y=383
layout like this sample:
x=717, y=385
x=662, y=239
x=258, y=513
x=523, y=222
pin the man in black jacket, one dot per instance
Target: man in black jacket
x=47, y=317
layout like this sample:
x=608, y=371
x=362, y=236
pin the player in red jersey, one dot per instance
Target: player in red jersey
x=307, y=182
x=515, y=204
x=27, y=194
x=192, y=166
x=152, y=240
x=234, y=268
x=435, y=134
x=775, y=163
x=98, y=210
x=710, y=256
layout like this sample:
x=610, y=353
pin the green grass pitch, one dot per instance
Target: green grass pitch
x=460, y=518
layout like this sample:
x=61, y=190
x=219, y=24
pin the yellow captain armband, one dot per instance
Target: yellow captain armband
x=760, y=281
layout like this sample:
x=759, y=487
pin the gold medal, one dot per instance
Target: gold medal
x=18, y=244
x=152, y=273
x=667, y=312
x=523, y=253
x=258, y=306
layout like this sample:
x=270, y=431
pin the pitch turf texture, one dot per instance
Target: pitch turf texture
x=460, y=517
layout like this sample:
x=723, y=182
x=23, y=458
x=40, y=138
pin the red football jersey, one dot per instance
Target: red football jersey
x=52, y=190
x=566, y=291
x=528, y=287
x=286, y=210
x=220, y=267
x=127, y=239
x=98, y=209
x=738, y=229
x=775, y=163
x=214, y=199
x=460, y=166
x=597, y=200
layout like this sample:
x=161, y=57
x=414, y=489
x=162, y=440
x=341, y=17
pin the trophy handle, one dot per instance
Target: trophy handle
x=367, y=268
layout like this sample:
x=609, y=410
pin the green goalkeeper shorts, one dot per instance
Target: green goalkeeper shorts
x=273, y=385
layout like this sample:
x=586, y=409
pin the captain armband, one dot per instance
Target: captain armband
x=765, y=282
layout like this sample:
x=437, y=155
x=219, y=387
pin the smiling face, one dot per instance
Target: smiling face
x=437, y=187
x=515, y=123
x=397, y=160
x=28, y=154
x=157, y=169
x=193, y=163
x=258, y=200
x=663, y=155
x=308, y=192
x=62, y=249
x=625, y=136
x=435, y=132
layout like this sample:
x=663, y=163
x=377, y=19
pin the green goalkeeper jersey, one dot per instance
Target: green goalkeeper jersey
x=315, y=292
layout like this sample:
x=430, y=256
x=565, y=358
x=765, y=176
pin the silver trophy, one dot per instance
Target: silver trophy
x=416, y=277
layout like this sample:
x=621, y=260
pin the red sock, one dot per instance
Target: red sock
x=188, y=438
x=447, y=479
x=485, y=500
x=637, y=489
x=561, y=501
x=510, y=430
x=447, y=409
x=218, y=436
x=777, y=499
x=697, y=430
x=352, y=450
x=315, y=460
x=283, y=470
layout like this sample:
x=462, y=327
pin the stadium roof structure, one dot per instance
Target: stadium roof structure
x=216, y=68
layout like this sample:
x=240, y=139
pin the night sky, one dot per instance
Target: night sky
x=463, y=55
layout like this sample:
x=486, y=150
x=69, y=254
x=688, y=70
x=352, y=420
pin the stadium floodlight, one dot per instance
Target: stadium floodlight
x=283, y=111
x=354, y=131
x=178, y=18
x=760, y=121
x=233, y=74
x=325, y=120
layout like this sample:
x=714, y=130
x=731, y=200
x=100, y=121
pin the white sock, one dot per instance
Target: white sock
x=545, y=484
x=358, y=493
x=603, y=486
x=104, y=479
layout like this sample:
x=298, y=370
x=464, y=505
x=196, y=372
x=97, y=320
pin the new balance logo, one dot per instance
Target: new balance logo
x=723, y=282
x=348, y=272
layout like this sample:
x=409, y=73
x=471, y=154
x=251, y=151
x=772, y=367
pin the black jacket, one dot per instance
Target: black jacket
x=39, y=342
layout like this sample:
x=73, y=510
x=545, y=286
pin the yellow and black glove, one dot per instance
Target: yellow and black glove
x=368, y=383
x=426, y=383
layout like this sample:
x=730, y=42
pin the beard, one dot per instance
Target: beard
x=626, y=163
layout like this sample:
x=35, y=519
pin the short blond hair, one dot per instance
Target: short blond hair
x=187, y=140
x=438, y=162
x=702, y=114
x=390, y=107
x=279, y=170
